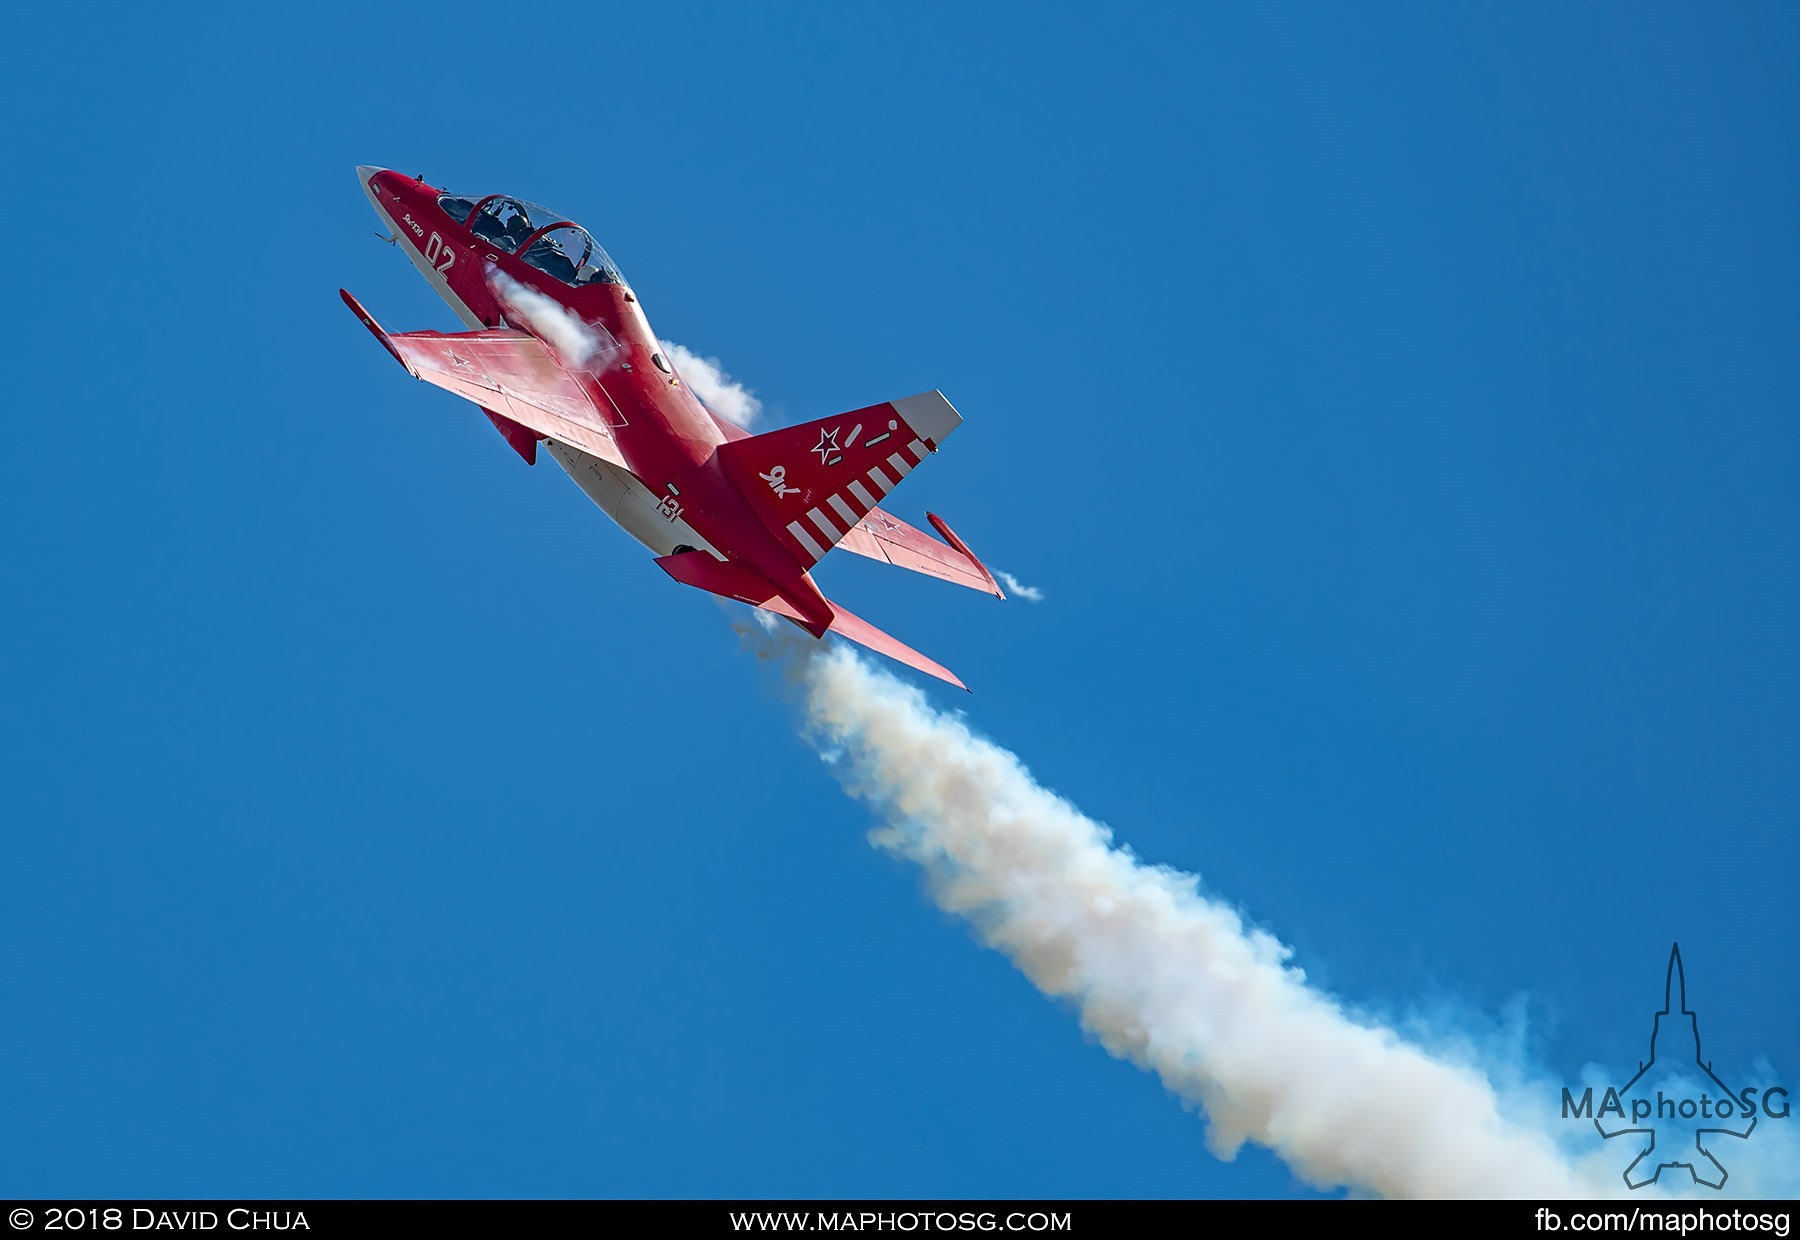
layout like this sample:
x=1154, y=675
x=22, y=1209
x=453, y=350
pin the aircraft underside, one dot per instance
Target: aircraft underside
x=622, y=495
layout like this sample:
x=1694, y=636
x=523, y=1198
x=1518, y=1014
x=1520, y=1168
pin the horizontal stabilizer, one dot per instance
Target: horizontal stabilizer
x=860, y=631
x=731, y=580
x=885, y=538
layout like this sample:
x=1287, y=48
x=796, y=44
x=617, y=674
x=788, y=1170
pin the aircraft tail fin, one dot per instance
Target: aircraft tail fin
x=813, y=483
x=732, y=580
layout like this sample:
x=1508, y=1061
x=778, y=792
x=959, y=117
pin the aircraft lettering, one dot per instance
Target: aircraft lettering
x=418, y=229
x=436, y=247
x=777, y=480
x=670, y=508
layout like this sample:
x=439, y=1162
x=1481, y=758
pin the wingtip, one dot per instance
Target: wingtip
x=962, y=548
x=356, y=308
x=375, y=329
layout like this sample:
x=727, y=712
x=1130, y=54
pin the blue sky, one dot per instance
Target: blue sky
x=1398, y=408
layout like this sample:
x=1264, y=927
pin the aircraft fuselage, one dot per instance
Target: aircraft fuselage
x=674, y=493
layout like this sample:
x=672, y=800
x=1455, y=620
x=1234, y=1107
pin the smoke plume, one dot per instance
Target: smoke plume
x=710, y=383
x=1018, y=589
x=1162, y=975
x=574, y=341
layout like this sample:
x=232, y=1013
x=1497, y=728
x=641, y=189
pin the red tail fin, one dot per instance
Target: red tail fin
x=812, y=483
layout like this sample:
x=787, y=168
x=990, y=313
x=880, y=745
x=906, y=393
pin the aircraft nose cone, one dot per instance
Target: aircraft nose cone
x=365, y=171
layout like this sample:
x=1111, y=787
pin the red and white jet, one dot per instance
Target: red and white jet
x=558, y=351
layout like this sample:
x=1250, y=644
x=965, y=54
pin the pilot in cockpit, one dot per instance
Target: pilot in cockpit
x=547, y=256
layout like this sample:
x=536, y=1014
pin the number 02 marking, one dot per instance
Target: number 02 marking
x=434, y=248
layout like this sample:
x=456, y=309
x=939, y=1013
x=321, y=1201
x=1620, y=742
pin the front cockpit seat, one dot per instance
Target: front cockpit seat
x=550, y=260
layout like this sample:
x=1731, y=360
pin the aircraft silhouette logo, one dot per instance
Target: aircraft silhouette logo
x=1657, y=1110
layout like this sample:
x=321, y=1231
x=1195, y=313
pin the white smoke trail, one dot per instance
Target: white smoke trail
x=711, y=384
x=572, y=339
x=1163, y=976
x=1018, y=589
x=1166, y=978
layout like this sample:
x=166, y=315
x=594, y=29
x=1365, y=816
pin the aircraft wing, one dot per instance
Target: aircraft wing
x=892, y=541
x=509, y=373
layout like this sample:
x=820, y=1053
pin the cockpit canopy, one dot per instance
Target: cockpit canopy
x=550, y=242
x=568, y=253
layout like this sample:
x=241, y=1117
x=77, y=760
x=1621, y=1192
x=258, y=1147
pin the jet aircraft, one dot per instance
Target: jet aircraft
x=558, y=352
